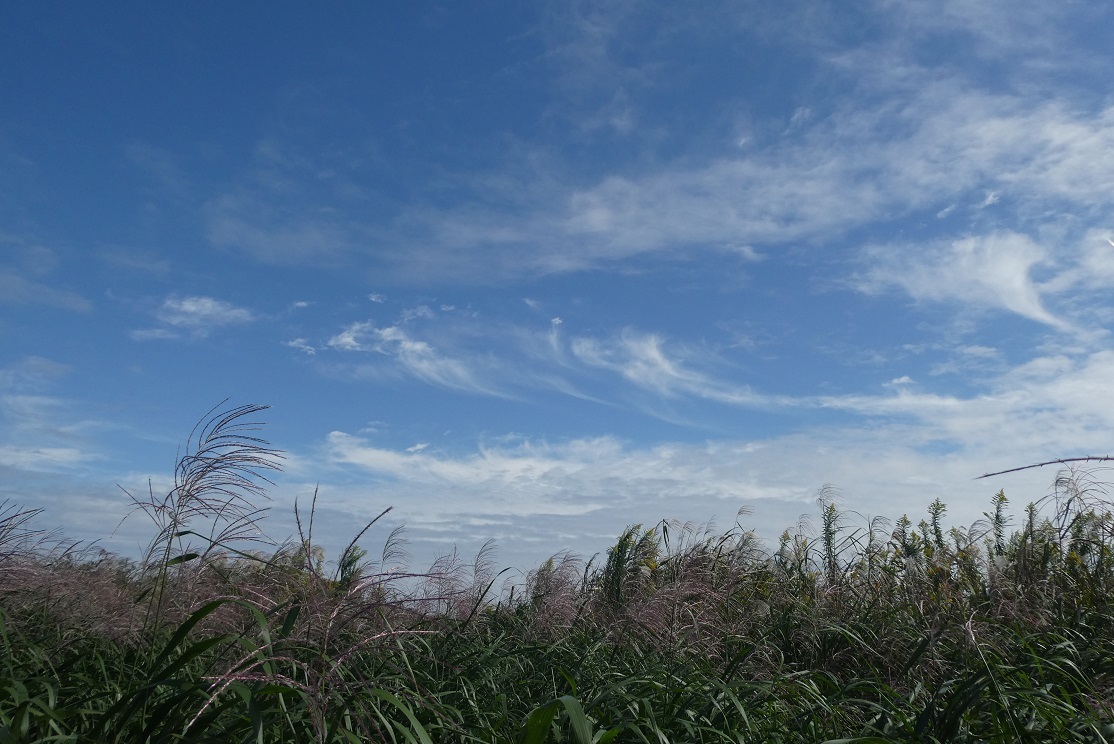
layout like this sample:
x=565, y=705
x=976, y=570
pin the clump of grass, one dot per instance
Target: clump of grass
x=857, y=630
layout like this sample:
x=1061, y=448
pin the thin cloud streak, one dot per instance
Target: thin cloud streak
x=196, y=315
x=17, y=289
x=642, y=359
x=502, y=360
x=839, y=172
x=44, y=459
x=413, y=357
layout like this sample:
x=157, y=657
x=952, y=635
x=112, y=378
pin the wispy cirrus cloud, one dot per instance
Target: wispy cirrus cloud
x=505, y=360
x=39, y=432
x=1005, y=30
x=655, y=374
x=199, y=314
x=644, y=360
x=898, y=449
x=17, y=289
x=1061, y=285
x=985, y=271
x=301, y=345
x=924, y=150
x=1042, y=408
x=534, y=477
x=195, y=315
x=267, y=227
x=45, y=459
x=409, y=356
x=31, y=373
x=856, y=166
x=24, y=280
x=905, y=133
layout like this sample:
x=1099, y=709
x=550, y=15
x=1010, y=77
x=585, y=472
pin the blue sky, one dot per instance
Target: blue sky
x=532, y=272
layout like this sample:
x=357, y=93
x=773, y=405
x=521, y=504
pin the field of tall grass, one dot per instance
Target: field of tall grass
x=849, y=630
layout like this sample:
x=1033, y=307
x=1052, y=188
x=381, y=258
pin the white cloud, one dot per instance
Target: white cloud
x=414, y=313
x=747, y=253
x=642, y=359
x=969, y=360
x=414, y=357
x=985, y=271
x=199, y=315
x=42, y=458
x=530, y=477
x=301, y=345
x=29, y=413
x=918, y=152
x=975, y=350
x=594, y=80
x=897, y=451
x=800, y=117
x=536, y=498
x=40, y=434
x=1019, y=31
x=502, y=360
x=1089, y=265
x=900, y=136
x=1044, y=408
x=351, y=338
x=923, y=146
x=845, y=173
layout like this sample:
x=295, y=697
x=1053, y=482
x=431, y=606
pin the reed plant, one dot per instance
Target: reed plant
x=862, y=629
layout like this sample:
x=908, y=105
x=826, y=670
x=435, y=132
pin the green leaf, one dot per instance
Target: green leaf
x=183, y=558
x=415, y=724
x=536, y=727
x=535, y=730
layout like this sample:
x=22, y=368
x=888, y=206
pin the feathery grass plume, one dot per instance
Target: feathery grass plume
x=630, y=567
x=830, y=526
x=551, y=601
x=217, y=481
x=998, y=522
x=17, y=537
x=20, y=568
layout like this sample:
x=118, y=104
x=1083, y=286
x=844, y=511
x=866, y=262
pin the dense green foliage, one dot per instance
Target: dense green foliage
x=861, y=631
